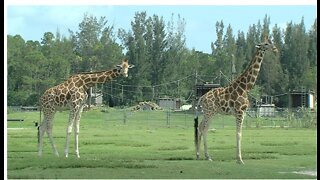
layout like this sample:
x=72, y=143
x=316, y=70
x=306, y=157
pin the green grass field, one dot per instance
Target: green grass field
x=119, y=144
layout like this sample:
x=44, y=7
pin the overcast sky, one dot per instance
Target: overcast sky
x=31, y=21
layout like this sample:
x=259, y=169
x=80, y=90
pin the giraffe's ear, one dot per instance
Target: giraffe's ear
x=131, y=66
x=119, y=66
x=258, y=46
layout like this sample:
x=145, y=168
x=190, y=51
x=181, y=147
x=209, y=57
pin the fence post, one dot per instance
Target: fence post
x=124, y=117
x=185, y=118
x=168, y=117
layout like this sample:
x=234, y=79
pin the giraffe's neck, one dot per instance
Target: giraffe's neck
x=249, y=77
x=89, y=79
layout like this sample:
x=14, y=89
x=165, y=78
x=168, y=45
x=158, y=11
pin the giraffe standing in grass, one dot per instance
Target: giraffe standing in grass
x=230, y=100
x=72, y=92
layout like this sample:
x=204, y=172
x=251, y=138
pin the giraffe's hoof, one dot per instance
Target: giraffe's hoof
x=240, y=161
x=208, y=158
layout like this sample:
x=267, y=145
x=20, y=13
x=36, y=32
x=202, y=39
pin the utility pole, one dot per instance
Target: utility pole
x=90, y=94
x=195, y=90
x=233, y=68
x=121, y=93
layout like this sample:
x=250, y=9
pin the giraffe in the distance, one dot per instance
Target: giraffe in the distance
x=231, y=99
x=72, y=92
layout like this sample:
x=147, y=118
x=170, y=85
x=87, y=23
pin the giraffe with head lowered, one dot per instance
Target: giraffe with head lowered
x=73, y=93
x=232, y=100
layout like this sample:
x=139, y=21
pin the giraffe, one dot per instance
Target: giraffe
x=72, y=92
x=231, y=100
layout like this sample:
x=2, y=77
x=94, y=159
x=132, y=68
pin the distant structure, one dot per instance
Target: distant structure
x=201, y=89
x=301, y=98
x=96, y=99
x=296, y=99
x=169, y=103
x=266, y=107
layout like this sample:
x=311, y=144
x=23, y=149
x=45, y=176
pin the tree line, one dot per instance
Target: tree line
x=158, y=50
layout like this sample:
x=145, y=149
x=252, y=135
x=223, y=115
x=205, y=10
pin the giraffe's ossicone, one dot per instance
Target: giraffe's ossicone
x=231, y=100
x=72, y=93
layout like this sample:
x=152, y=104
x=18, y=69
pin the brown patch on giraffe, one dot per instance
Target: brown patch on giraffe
x=243, y=79
x=240, y=90
x=231, y=103
x=223, y=102
x=244, y=107
x=256, y=66
x=227, y=96
x=94, y=79
x=249, y=86
x=71, y=85
x=242, y=86
x=234, y=95
x=68, y=95
x=259, y=60
x=230, y=89
x=80, y=83
x=215, y=93
x=87, y=80
x=253, y=79
x=223, y=109
x=62, y=97
x=237, y=105
x=64, y=90
x=235, y=85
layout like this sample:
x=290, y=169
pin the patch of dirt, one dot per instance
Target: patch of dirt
x=310, y=173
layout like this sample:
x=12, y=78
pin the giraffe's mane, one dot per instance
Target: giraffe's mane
x=92, y=72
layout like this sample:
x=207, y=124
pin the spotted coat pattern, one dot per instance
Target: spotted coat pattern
x=231, y=100
x=72, y=93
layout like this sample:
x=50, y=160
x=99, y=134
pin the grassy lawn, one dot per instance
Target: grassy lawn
x=122, y=144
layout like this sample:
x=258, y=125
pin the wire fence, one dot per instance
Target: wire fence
x=282, y=118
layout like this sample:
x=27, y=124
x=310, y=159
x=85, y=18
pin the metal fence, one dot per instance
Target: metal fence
x=168, y=118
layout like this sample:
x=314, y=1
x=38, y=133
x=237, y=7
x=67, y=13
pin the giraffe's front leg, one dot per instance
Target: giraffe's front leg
x=239, y=133
x=76, y=138
x=41, y=130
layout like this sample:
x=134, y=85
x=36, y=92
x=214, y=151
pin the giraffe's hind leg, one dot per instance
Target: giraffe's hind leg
x=203, y=131
x=46, y=126
x=41, y=130
x=49, y=132
x=205, y=143
x=198, y=142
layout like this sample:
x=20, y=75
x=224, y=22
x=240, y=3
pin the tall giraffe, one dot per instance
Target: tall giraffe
x=72, y=92
x=231, y=100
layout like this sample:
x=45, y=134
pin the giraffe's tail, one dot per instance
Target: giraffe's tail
x=196, y=130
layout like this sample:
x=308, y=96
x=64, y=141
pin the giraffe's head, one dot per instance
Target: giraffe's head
x=267, y=45
x=124, y=67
